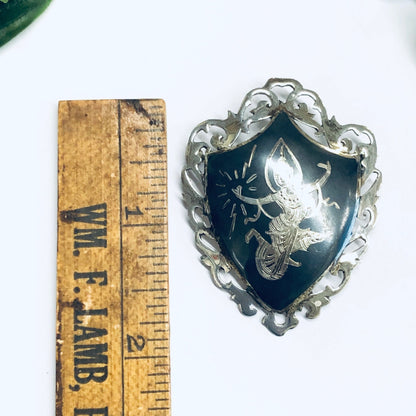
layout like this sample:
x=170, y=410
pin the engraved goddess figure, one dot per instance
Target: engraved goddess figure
x=297, y=200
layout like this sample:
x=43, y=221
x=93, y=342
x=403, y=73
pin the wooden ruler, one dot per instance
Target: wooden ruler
x=112, y=284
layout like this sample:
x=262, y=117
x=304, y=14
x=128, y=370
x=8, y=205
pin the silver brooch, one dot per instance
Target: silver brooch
x=281, y=200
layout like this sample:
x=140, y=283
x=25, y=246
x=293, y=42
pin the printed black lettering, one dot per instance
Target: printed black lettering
x=90, y=354
x=91, y=276
x=90, y=237
x=91, y=412
x=135, y=343
x=87, y=332
x=94, y=214
x=132, y=212
x=84, y=375
x=87, y=355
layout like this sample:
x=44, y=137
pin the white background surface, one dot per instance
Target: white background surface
x=358, y=357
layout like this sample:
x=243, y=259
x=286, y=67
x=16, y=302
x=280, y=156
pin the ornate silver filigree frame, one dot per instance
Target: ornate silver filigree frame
x=258, y=110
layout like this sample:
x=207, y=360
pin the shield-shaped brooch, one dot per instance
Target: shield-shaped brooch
x=281, y=199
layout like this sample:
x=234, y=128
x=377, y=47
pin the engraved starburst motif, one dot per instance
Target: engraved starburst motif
x=230, y=202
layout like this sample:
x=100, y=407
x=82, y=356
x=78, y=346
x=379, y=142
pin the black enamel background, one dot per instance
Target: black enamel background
x=224, y=173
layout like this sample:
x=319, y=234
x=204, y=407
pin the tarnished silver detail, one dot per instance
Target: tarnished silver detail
x=255, y=115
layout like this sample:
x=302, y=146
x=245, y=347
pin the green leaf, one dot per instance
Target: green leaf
x=16, y=15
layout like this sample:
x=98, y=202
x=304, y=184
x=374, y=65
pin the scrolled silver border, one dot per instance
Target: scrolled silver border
x=257, y=112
